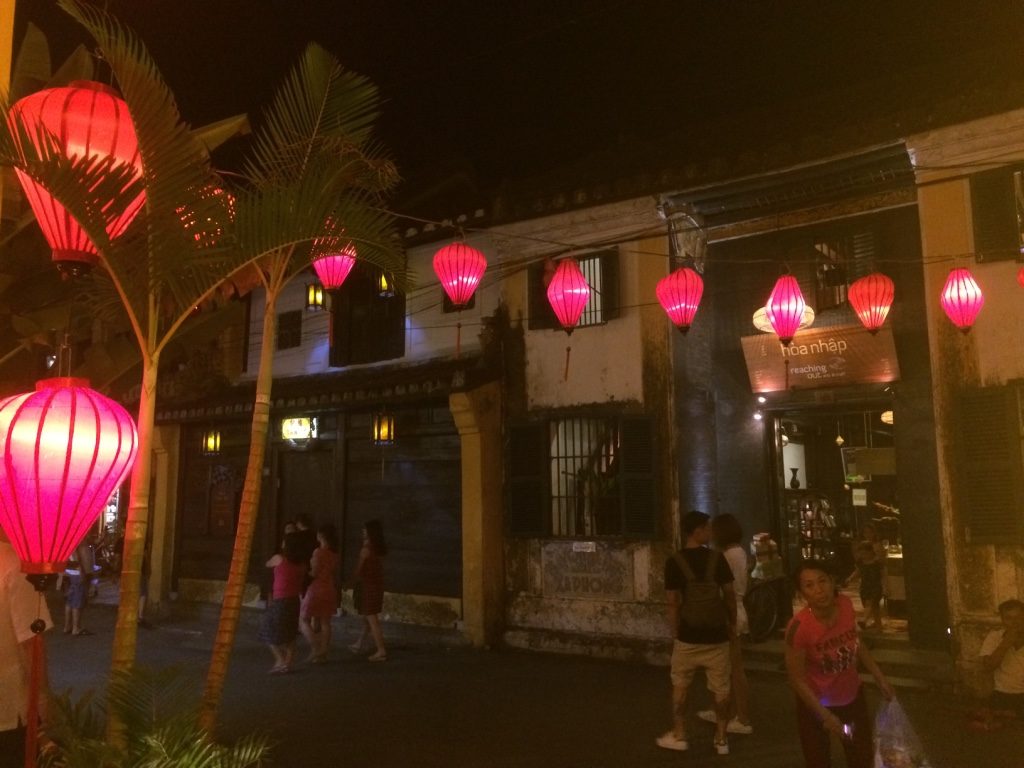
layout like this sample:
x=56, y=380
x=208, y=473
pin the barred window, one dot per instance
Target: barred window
x=601, y=270
x=584, y=477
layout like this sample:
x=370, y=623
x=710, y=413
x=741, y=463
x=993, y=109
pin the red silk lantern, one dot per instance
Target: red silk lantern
x=961, y=298
x=460, y=269
x=785, y=308
x=333, y=268
x=568, y=293
x=679, y=295
x=88, y=120
x=871, y=298
x=1020, y=277
x=66, y=449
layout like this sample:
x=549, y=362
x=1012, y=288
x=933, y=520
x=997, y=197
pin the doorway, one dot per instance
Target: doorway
x=305, y=485
x=836, y=479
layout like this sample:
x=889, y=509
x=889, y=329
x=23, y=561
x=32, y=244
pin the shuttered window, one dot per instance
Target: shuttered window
x=601, y=271
x=365, y=326
x=997, y=211
x=990, y=488
x=582, y=477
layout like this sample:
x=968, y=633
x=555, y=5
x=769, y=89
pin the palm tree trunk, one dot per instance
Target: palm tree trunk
x=136, y=522
x=233, y=592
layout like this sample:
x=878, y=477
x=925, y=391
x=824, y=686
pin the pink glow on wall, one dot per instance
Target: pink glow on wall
x=66, y=448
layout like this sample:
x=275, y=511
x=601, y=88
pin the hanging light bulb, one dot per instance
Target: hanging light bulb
x=839, y=435
x=961, y=298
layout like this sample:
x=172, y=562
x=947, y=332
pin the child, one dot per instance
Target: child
x=869, y=569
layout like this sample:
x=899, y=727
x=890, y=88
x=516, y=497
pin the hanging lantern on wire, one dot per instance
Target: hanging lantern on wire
x=460, y=269
x=86, y=119
x=961, y=298
x=785, y=308
x=333, y=268
x=568, y=294
x=871, y=298
x=679, y=295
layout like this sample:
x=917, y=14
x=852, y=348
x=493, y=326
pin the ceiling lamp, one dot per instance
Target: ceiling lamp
x=333, y=268
x=871, y=298
x=85, y=119
x=460, y=269
x=785, y=308
x=760, y=320
x=66, y=450
x=568, y=294
x=961, y=298
x=679, y=295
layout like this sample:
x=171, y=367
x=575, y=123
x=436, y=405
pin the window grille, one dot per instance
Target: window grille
x=997, y=206
x=584, y=477
x=593, y=313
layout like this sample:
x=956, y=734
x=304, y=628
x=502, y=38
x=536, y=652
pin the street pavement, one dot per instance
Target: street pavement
x=436, y=704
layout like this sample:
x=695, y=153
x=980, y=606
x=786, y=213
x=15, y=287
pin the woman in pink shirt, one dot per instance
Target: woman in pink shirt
x=281, y=621
x=822, y=651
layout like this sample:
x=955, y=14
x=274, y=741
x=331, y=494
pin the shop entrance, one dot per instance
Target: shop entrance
x=835, y=475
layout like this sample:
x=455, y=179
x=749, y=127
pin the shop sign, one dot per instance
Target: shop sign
x=603, y=571
x=825, y=357
x=302, y=428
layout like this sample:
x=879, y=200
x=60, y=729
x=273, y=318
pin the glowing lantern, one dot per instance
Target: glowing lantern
x=66, y=450
x=568, y=293
x=679, y=295
x=385, y=286
x=86, y=119
x=333, y=268
x=871, y=298
x=961, y=298
x=785, y=308
x=211, y=442
x=314, y=297
x=383, y=428
x=760, y=320
x=1020, y=277
x=460, y=269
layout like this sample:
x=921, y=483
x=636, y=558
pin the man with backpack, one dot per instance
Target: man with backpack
x=702, y=616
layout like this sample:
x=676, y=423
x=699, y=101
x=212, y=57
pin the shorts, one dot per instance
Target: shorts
x=76, y=594
x=687, y=658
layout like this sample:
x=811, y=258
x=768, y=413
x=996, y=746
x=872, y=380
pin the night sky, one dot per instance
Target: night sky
x=513, y=89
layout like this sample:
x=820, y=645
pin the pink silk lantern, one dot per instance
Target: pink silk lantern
x=871, y=298
x=333, y=268
x=785, y=308
x=67, y=448
x=568, y=293
x=1020, y=277
x=460, y=270
x=961, y=298
x=88, y=120
x=679, y=295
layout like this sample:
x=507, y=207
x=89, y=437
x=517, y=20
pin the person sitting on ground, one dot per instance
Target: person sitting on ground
x=1002, y=654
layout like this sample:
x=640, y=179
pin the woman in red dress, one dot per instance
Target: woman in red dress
x=368, y=588
x=321, y=598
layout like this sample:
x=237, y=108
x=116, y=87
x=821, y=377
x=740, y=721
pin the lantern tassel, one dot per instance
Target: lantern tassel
x=35, y=682
x=458, y=339
x=568, y=351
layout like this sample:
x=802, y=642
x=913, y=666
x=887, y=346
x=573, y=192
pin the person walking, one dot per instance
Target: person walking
x=727, y=536
x=702, y=618
x=321, y=598
x=78, y=574
x=368, y=589
x=822, y=651
x=20, y=606
x=281, y=621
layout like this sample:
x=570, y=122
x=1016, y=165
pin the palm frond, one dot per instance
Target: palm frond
x=319, y=107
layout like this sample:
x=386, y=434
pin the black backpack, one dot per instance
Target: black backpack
x=703, y=605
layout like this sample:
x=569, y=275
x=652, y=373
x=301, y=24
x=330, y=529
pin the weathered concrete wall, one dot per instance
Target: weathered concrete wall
x=979, y=577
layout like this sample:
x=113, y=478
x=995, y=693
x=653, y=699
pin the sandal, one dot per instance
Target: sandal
x=378, y=656
x=82, y=633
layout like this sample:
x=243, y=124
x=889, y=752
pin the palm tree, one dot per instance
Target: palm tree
x=312, y=156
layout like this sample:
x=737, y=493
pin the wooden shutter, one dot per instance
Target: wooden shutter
x=991, y=467
x=528, y=501
x=365, y=327
x=997, y=234
x=639, y=493
x=610, y=284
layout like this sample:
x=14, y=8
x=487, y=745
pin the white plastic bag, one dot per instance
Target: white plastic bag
x=896, y=742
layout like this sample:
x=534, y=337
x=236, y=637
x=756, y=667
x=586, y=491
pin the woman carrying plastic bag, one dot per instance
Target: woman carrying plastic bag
x=896, y=742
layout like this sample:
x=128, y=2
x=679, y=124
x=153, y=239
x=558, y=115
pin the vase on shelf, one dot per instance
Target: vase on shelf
x=794, y=483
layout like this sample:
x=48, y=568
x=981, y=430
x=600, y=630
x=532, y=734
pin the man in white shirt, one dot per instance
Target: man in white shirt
x=20, y=605
x=1002, y=653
